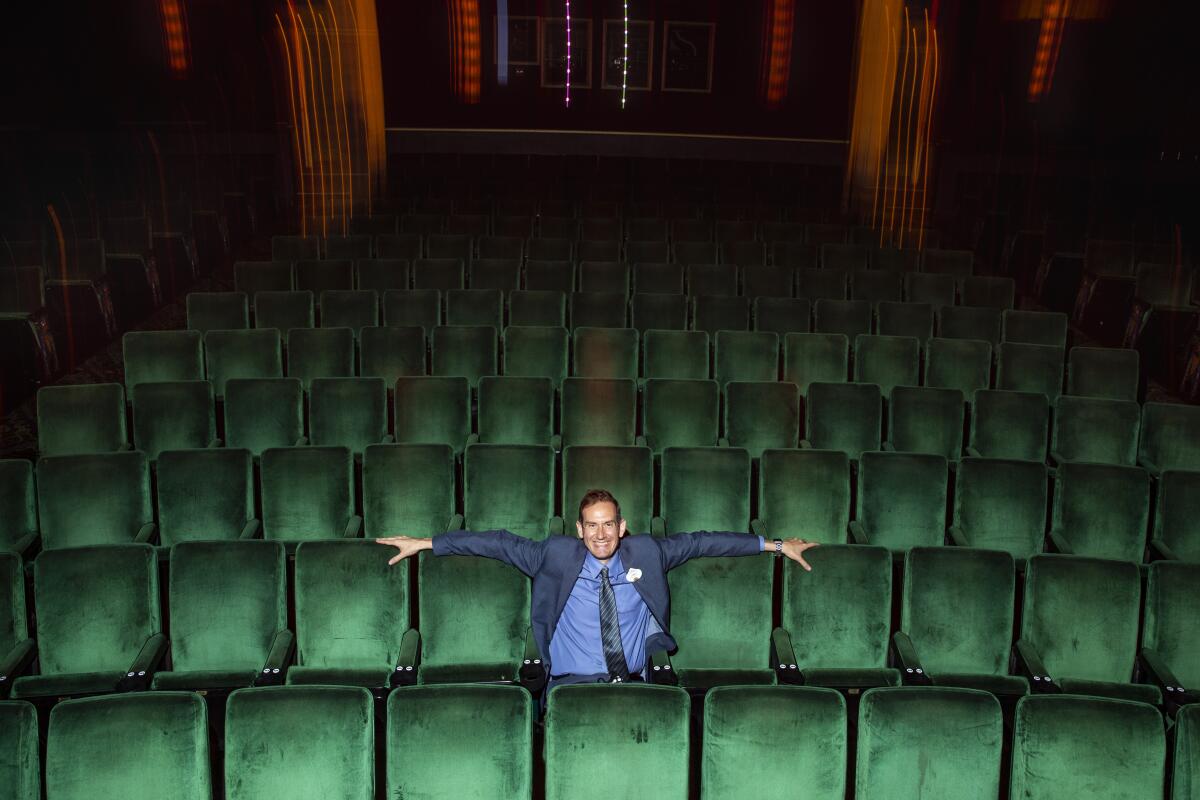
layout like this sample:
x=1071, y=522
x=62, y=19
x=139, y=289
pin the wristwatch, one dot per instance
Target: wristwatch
x=779, y=547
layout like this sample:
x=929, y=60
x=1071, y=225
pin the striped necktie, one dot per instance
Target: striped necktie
x=610, y=630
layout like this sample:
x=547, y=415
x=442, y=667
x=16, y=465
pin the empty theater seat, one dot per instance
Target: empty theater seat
x=1104, y=372
x=536, y=351
x=1170, y=437
x=843, y=416
x=18, y=506
x=901, y=500
x=1101, y=510
x=152, y=356
x=95, y=499
x=205, y=494
x=1000, y=504
x=815, y=357
x=926, y=420
x=680, y=413
x=308, y=493
x=348, y=412
x=264, y=412
x=1177, y=519
x=516, y=410
x=963, y=364
x=1009, y=425
x=1095, y=429
x=173, y=415
x=1169, y=636
x=87, y=418
x=533, y=307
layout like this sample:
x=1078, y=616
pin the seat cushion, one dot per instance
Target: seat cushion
x=367, y=677
x=204, y=679
x=996, y=684
x=1140, y=692
x=707, y=678
x=468, y=673
x=66, y=684
x=852, y=678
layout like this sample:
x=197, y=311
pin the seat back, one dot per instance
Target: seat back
x=902, y=499
x=1170, y=437
x=241, y=354
x=500, y=268
x=658, y=311
x=83, y=418
x=550, y=275
x=963, y=364
x=989, y=292
x=599, y=411
x=605, y=352
x=348, y=412
x=509, y=487
x=598, y=309
x=398, y=245
x=263, y=412
x=382, y=275
x=152, y=356
x=536, y=351
x=762, y=415
x=837, y=255
x=746, y=356
x=1172, y=603
x=714, y=313
x=467, y=351
x=13, y=626
x=905, y=319
x=1035, y=327
x=19, y=743
x=252, y=277
x=391, y=353
x=681, y=355
x=433, y=410
x=533, y=307
x=93, y=499
x=848, y=317
x=416, y=307
x=805, y=493
x=1095, y=429
x=441, y=274
x=307, y=492
x=611, y=277
x=709, y=279
x=484, y=307
x=516, y=410
x=762, y=281
x=349, y=309
x=329, y=274
x=1008, y=424
x=627, y=472
x=295, y=248
x=969, y=322
x=821, y=357
x=782, y=315
x=843, y=416
x=926, y=420
x=1103, y=372
x=283, y=311
x=204, y=494
x=1177, y=519
x=652, y=277
x=935, y=290
x=1000, y=504
x=408, y=489
x=320, y=353
x=18, y=503
x=1103, y=509
x=353, y=246
x=821, y=284
x=875, y=285
x=887, y=361
x=217, y=311
x=680, y=413
x=173, y=415
x=1030, y=368
x=959, y=263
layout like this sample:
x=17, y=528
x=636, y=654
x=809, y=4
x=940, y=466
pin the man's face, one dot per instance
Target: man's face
x=600, y=530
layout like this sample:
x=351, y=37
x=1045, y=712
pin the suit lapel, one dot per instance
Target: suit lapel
x=571, y=568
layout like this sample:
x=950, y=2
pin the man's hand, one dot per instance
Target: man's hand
x=407, y=545
x=794, y=549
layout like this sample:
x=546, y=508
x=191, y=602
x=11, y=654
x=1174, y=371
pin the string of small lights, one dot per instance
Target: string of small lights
x=625, y=58
x=568, y=53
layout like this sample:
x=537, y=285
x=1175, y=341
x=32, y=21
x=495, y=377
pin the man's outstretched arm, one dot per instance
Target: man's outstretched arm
x=682, y=547
x=524, y=554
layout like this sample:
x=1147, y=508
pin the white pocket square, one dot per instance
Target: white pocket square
x=632, y=575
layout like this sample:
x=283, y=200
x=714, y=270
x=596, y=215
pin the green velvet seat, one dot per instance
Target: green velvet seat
x=17, y=649
x=428, y=724
x=433, y=410
x=466, y=351
x=217, y=311
x=382, y=274
x=537, y=307
x=795, y=254
x=839, y=255
x=820, y=357
x=721, y=606
x=835, y=620
x=745, y=356
x=901, y=500
x=875, y=285
x=415, y=308
x=241, y=354
x=304, y=742
x=355, y=246
x=1170, y=644
x=1177, y=519
x=847, y=317
x=653, y=277
x=739, y=761
x=1047, y=328
x=206, y=494
x=20, y=773
x=324, y=275
x=821, y=284
x=926, y=420
x=544, y=275
x=320, y=353
x=803, y=493
x=605, y=352
x=395, y=245
x=904, y=260
x=501, y=273
x=843, y=416
x=1185, y=780
x=627, y=472
x=959, y=263
x=680, y=413
x=1105, y=372
x=762, y=415
x=1108, y=749
x=549, y=248
x=609, y=277
x=963, y=364
x=18, y=505
x=905, y=319
x=284, y=311
x=680, y=355
x=502, y=248
x=1030, y=368
x=252, y=277
x=704, y=273
x=264, y=412
x=1101, y=510
x=1170, y=437
x=153, y=356
x=713, y=313
x=599, y=411
x=1079, y=627
x=935, y=290
x=391, y=352
x=969, y=322
x=83, y=418
x=449, y=247
x=536, y=352
x=1095, y=429
x=637, y=251
x=173, y=415
x=956, y=620
x=592, y=728
x=95, y=499
x=658, y=311
x=1008, y=424
x=887, y=361
x=408, y=489
x=743, y=250
x=439, y=274
x=475, y=307
x=516, y=410
x=348, y=412
x=349, y=308
x=598, y=309
x=928, y=741
x=295, y=248
x=1000, y=504
x=308, y=493
x=228, y=607
x=164, y=750
x=759, y=281
x=989, y=292
x=782, y=315
x=90, y=647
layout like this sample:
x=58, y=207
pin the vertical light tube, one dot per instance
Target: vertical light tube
x=568, y=53
x=625, y=58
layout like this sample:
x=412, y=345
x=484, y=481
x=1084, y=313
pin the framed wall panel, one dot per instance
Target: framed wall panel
x=554, y=52
x=641, y=54
x=688, y=56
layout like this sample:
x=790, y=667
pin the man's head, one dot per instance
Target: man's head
x=600, y=525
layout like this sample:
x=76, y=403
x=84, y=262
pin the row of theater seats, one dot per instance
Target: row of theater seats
x=478, y=741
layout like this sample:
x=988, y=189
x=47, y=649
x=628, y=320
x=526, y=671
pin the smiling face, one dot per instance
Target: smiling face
x=601, y=529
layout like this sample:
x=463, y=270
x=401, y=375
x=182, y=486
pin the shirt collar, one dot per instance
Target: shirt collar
x=591, y=566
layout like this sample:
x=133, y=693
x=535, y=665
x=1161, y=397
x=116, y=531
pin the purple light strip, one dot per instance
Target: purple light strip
x=568, y=53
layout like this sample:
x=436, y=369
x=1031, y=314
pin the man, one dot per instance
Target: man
x=600, y=601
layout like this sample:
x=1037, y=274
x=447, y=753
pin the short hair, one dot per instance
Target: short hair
x=593, y=496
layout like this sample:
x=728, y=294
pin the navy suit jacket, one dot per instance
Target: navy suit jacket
x=554, y=564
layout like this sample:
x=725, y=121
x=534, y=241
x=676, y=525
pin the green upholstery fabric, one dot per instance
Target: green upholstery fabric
x=320, y=353
x=928, y=742
x=295, y=248
x=382, y=274
x=657, y=278
x=217, y=311
x=516, y=410
x=935, y=290
x=344, y=308
x=627, y=472
x=837, y=255
x=1105, y=372
x=847, y=317
x=407, y=489
x=1030, y=368
x=805, y=494
x=348, y=412
x=710, y=280
x=599, y=411
x=598, y=309
x=418, y=308
x=1186, y=776
x=1087, y=747
x=227, y=602
x=875, y=285
x=712, y=313
x=1136, y=692
x=653, y=311
x=263, y=412
x=13, y=626
x=959, y=263
x=93, y=499
x=1172, y=604
x=887, y=361
x=163, y=754
x=1094, y=429
x=1000, y=504
x=1010, y=424
x=84, y=418
x=509, y=487
x=762, y=415
x=173, y=416
x=354, y=246
x=307, y=492
x=475, y=307
x=902, y=499
x=427, y=724
x=746, y=356
x=821, y=284
x=820, y=357
x=963, y=364
x=466, y=351
x=989, y=292
x=272, y=747
x=905, y=319
x=744, y=727
x=843, y=416
x=536, y=352
x=204, y=494
x=682, y=355
x=19, y=764
x=1177, y=521
x=699, y=254
x=782, y=315
x=440, y=274
x=533, y=307
x=907, y=261
x=1035, y=327
x=398, y=245
x=153, y=356
x=792, y=252
x=241, y=354
x=926, y=420
x=495, y=271
x=605, y=352
x=773, y=283
x=610, y=277
x=89, y=646
x=449, y=246
x=550, y=275
x=705, y=489
x=18, y=504
x=1102, y=510
x=431, y=410
x=968, y=322
x=1081, y=617
x=592, y=728
x=680, y=413
x=284, y=311
x=1170, y=437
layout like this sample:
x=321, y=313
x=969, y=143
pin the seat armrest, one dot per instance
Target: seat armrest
x=146, y=533
x=1056, y=459
x=858, y=534
x=1150, y=466
x=302, y=441
x=661, y=673
x=251, y=530
x=140, y=673
x=1060, y=541
x=783, y=658
x=556, y=442
x=405, y=673
x=908, y=660
x=472, y=438
x=658, y=526
x=958, y=537
x=888, y=447
x=456, y=523
x=125, y=447
x=639, y=441
x=26, y=544
x=15, y=662
x=1029, y=662
x=972, y=452
x=272, y=673
x=532, y=673
x=722, y=441
x=353, y=528
x=388, y=439
x=215, y=443
x=1160, y=550
x=805, y=444
x=557, y=526
x=1156, y=669
x=759, y=528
